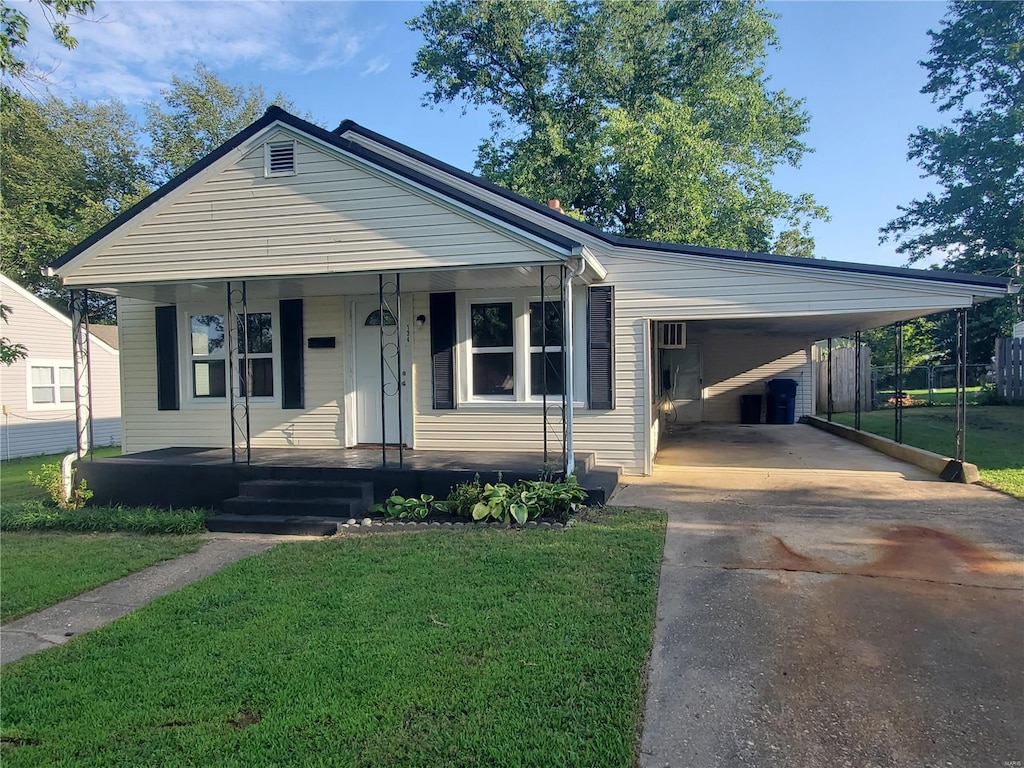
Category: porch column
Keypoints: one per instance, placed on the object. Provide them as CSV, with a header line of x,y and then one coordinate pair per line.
x,y
898,395
961,385
829,403
857,382
390,292
237,337
83,371
567,378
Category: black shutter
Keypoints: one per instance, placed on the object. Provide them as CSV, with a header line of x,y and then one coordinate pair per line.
x,y
167,358
292,377
442,349
600,350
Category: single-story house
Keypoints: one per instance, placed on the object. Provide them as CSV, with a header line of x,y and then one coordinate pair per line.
x,y
382,297
38,391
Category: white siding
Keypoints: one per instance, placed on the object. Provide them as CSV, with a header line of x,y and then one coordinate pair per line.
x,y
319,425
29,431
741,364
332,216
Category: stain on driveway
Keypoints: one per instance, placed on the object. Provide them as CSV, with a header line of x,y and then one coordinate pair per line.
x,y
831,607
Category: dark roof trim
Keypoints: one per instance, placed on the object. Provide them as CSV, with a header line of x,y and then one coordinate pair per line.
x,y
276,114
676,248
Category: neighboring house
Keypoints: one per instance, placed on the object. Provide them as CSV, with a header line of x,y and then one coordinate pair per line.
x,y
38,392
315,225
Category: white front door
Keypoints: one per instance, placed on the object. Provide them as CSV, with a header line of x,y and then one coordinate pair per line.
x,y
369,393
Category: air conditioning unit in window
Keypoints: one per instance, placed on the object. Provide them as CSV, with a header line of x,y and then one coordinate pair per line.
x,y
671,335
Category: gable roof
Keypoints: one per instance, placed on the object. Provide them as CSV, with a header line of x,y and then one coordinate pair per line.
x,y
350,126
274,115
107,339
551,235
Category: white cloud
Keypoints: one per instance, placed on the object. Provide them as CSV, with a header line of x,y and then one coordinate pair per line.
x,y
375,66
129,50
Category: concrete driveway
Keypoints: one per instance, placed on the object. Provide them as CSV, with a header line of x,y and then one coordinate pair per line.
x,y
824,605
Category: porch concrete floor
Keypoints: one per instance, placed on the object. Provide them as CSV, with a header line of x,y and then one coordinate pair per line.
x,y
821,604
361,458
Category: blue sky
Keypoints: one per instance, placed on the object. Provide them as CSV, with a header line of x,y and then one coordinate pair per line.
x,y
854,63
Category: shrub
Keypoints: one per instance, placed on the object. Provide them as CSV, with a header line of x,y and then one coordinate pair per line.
x,y
37,516
464,496
50,478
527,500
400,508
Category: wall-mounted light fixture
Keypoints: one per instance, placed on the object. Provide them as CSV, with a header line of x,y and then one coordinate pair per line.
x,y
421,320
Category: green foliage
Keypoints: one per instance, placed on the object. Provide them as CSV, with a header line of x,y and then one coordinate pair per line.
x,y
495,648
526,500
68,169
976,219
920,345
87,560
50,479
400,508
198,115
9,351
37,516
14,29
650,119
464,496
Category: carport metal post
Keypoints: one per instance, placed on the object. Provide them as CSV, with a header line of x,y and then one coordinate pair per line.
x,y
961,385
829,405
856,382
898,394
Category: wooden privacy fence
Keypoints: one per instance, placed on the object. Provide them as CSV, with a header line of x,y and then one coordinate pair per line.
x,y
1010,369
844,389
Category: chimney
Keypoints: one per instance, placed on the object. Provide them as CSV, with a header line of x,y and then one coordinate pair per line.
x,y
556,205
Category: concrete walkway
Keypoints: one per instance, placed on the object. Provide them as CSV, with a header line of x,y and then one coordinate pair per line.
x,y
59,623
823,605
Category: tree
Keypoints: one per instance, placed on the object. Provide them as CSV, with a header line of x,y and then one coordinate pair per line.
x,y
14,28
651,119
68,169
197,116
9,351
975,219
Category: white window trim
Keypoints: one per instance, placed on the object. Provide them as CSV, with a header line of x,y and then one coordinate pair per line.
x,y
56,365
520,300
267,173
185,356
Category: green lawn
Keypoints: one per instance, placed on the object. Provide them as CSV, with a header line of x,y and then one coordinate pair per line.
x,y
39,569
14,482
995,437
944,396
435,648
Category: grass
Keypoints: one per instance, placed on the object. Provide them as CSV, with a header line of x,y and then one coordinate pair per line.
x,y
40,516
440,648
40,569
995,438
14,482
944,396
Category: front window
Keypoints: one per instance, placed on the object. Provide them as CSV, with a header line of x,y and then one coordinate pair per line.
x,y
209,355
492,348
52,384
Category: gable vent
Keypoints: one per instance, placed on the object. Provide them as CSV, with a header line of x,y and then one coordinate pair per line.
x,y
280,158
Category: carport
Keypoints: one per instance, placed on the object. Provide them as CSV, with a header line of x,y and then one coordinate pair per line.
x,y
821,604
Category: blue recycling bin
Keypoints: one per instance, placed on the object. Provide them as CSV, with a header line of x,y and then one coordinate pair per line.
x,y
781,398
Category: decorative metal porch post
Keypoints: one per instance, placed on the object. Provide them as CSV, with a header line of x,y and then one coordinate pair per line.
x,y
898,371
388,292
857,383
961,386
239,375
568,455
83,372
829,404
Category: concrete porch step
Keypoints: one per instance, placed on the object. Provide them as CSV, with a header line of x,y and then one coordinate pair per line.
x,y
306,489
247,506
289,526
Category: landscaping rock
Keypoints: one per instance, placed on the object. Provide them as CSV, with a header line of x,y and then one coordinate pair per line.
x,y
366,521
350,521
